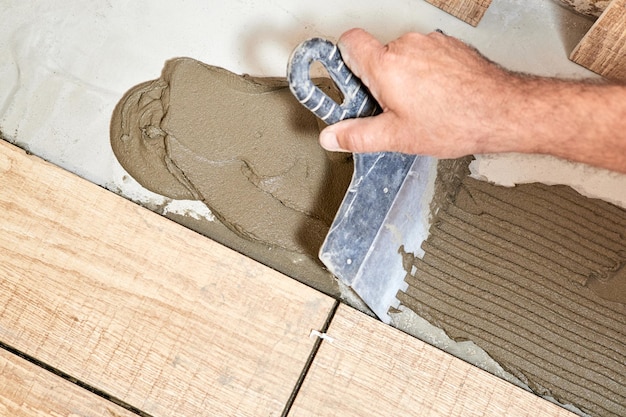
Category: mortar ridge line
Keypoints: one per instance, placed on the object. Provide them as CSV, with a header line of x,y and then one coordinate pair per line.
x,y
536,258
538,230
536,320
309,362
585,262
590,216
518,269
488,279
521,322
67,377
480,340
550,224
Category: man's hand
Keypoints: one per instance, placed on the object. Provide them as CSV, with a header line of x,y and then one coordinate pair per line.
x,y
441,97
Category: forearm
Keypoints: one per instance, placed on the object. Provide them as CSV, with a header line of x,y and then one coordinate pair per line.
x,y
579,121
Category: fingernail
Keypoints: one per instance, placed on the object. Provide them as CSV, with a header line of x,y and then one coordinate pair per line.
x,y
328,140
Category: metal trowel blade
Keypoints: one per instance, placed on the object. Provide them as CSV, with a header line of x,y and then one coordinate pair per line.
x,y
386,207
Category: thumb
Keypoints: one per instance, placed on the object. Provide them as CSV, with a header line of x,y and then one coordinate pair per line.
x,y
367,134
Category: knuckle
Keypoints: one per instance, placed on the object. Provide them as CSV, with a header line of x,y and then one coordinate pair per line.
x,y
356,140
352,142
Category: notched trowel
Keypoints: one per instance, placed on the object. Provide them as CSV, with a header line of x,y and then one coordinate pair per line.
x,y
387,204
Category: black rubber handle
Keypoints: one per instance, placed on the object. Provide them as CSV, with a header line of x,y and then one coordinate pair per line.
x,y
357,102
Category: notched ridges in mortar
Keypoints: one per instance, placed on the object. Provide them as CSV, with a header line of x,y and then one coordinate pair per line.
x,y
507,269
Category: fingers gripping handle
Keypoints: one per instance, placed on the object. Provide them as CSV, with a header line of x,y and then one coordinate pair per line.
x,y
357,102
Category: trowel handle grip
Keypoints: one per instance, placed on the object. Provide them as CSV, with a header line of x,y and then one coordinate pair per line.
x,y
357,102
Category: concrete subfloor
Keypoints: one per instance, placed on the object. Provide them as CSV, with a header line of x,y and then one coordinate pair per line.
x,y
63,69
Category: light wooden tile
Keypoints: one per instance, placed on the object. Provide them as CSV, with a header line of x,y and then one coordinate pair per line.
x,y
140,307
470,11
27,390
603,48
370,369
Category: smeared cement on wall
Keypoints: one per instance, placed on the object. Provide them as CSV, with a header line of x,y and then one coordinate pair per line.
x,y
244,147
